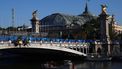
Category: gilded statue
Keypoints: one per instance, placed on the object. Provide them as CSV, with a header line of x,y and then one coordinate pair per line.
x,y
104,9
34,14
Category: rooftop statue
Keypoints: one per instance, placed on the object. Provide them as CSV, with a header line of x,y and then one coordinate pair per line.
x,y
104,9
34,14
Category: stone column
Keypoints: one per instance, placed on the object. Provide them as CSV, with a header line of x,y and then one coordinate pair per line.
x,y
104,30
35,22
35,25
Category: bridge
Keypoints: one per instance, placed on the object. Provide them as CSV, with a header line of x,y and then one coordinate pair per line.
x,y
47,49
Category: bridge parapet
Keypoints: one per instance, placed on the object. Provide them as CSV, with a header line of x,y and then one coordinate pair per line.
x,y
77,48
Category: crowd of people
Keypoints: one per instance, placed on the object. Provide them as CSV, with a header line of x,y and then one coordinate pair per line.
x,y
25,42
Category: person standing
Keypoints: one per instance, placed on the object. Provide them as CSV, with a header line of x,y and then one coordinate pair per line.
x,y
9,43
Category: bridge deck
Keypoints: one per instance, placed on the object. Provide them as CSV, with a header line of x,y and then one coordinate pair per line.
x,y
52,46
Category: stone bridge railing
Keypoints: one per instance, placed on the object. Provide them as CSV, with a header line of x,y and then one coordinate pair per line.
x,y
78,46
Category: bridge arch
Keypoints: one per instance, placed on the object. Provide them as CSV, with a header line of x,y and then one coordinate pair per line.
x,y
47,52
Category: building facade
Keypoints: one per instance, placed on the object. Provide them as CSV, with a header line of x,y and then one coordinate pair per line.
x,y
83,26
60,25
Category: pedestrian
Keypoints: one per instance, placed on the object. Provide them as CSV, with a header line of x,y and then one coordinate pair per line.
x,y
20,42
9,43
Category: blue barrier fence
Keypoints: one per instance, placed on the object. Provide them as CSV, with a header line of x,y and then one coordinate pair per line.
x,y
6,38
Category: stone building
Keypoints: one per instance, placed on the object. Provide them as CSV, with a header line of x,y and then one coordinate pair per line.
x,y
83,26
65,26
118,28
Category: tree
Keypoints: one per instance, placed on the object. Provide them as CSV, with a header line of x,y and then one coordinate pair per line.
x,y
11,28
2,28
92,29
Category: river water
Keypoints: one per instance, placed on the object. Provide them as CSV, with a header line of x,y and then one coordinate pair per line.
x,y
66,64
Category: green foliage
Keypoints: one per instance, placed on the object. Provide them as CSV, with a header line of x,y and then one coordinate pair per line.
x,y
92,29
11,28
119,36
2,28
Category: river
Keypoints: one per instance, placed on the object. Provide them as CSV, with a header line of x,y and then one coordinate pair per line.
x,y
66,64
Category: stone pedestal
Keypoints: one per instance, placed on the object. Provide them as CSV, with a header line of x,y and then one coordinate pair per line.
x,y
35,25
104,30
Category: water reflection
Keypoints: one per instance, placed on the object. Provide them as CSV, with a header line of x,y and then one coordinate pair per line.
x,y
99,65
66,64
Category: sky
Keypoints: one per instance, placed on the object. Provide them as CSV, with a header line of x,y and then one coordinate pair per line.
x,y
24,9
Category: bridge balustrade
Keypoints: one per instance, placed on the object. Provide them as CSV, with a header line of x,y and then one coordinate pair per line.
x,y
78,46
